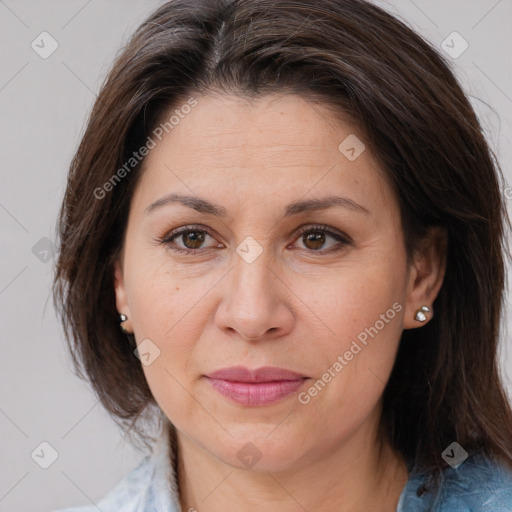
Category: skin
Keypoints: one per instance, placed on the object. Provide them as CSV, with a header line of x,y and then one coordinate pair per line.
x,y
298,306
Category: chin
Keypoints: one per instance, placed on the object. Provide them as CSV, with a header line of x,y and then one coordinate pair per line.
x,y
255,450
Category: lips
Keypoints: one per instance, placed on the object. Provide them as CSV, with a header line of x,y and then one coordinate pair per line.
x,y
261,386
264,374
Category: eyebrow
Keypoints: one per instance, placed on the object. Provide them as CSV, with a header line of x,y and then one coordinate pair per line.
x,y
295,208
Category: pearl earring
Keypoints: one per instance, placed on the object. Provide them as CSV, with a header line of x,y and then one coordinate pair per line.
x,y
420,314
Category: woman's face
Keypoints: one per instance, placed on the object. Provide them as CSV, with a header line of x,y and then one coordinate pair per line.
x,y
293,259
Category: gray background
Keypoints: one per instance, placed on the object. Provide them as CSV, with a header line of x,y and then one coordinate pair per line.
x,y
44,103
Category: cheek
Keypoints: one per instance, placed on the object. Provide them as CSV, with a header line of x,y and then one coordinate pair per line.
x,y
363,308
349,300
346,391
364,332
164,300
168,311
170,308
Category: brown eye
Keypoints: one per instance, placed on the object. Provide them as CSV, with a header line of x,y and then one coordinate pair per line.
x,y
189,240
321,239
314,240
193,239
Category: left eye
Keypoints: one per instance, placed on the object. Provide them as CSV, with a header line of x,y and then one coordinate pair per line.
x,y
314,239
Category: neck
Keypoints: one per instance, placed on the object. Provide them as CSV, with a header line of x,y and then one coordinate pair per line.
x,y
354,477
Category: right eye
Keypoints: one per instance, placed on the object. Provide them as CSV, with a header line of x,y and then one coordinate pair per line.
x,y
188,240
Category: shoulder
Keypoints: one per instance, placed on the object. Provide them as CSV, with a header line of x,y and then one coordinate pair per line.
x,y
478,485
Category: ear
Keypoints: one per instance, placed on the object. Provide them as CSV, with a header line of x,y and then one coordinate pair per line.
x,y
120,291
426,276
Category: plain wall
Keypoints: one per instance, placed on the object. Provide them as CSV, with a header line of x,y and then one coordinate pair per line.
x,y
44,104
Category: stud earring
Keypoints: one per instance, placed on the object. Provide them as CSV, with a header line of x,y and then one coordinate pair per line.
x,y
420,314
123,318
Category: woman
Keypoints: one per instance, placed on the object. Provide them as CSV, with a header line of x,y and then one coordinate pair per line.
x,y
283,236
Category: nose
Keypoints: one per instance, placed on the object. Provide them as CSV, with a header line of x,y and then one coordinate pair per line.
x,y
255,302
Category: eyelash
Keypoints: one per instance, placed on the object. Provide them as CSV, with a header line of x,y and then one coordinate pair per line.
x,y
167,239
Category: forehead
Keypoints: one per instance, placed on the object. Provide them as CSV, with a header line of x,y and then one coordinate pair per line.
x,y
277,147
287,126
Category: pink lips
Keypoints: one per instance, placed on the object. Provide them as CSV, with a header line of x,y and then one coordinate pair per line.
x,y
261,386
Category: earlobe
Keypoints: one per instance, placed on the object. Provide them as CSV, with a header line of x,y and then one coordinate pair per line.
x,y
426,278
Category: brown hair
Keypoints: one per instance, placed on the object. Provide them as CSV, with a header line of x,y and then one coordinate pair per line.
x,y
368,65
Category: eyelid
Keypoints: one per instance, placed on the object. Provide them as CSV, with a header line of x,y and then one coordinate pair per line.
x,y
173,233
326,229
305,228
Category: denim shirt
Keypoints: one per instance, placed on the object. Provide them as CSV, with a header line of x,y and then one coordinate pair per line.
x,y
477,485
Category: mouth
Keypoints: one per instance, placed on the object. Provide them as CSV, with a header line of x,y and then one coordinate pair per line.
x,y
261,386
